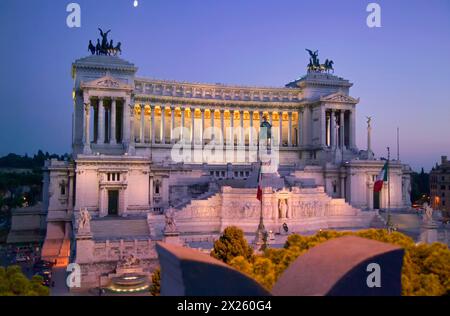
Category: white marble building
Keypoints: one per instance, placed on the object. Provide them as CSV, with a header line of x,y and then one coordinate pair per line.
x,y
125,174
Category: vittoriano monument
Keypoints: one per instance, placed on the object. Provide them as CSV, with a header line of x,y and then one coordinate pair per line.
x,y
314,63
105,48
134,180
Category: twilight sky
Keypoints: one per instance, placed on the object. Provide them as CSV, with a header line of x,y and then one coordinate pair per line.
x,y
400,71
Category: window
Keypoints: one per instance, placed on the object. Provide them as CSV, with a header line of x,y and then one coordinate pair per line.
x,y
113,176
63,189
442,187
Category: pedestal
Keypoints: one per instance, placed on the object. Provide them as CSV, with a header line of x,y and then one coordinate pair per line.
x,y
173,238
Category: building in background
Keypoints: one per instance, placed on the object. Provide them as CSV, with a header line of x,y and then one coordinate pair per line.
x,y
440,185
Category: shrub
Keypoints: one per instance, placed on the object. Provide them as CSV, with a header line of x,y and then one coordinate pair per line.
x,y
155,288
14,283
426,268
231,244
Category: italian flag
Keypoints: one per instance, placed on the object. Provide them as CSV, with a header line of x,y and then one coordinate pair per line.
x,y
382,177
259,193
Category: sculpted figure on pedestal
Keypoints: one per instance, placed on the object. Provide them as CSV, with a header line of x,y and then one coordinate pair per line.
x,y
84,221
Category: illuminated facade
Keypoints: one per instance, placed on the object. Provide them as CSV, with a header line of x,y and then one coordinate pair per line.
x,y
142,148
440,186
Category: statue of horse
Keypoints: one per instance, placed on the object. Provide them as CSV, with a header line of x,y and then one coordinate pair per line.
x,y
329,65
91,48
98,48
118,49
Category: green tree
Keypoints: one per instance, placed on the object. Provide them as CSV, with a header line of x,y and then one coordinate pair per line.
x,y
14,283
155,288
231,244
426,268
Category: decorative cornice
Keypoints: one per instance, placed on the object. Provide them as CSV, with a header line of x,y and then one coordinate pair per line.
x,y
214,102
339,97
106,83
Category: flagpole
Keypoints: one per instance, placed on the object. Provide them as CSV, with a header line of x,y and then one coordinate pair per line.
x,y
389,223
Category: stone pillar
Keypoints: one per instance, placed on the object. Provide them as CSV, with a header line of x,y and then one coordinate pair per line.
x,y
280,123
352,142
222,126
192,125
87,136
152,109
129,125
182,109
163,125
211,114
172,124
142,130
342,128
202,128
332,128
290,129
231,128
241,132
101,122
113,122
323,126
250,133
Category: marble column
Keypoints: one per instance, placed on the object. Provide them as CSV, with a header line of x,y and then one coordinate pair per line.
x,y
101,122
352,142
152,127
342,186
142,130
202,128
250,132
172,124
211,114
290,129
113,122
127,126
231,128
192,125
241,132
163,125
182,124
280,123
87,119
323,126
342,129
332,128
222,126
